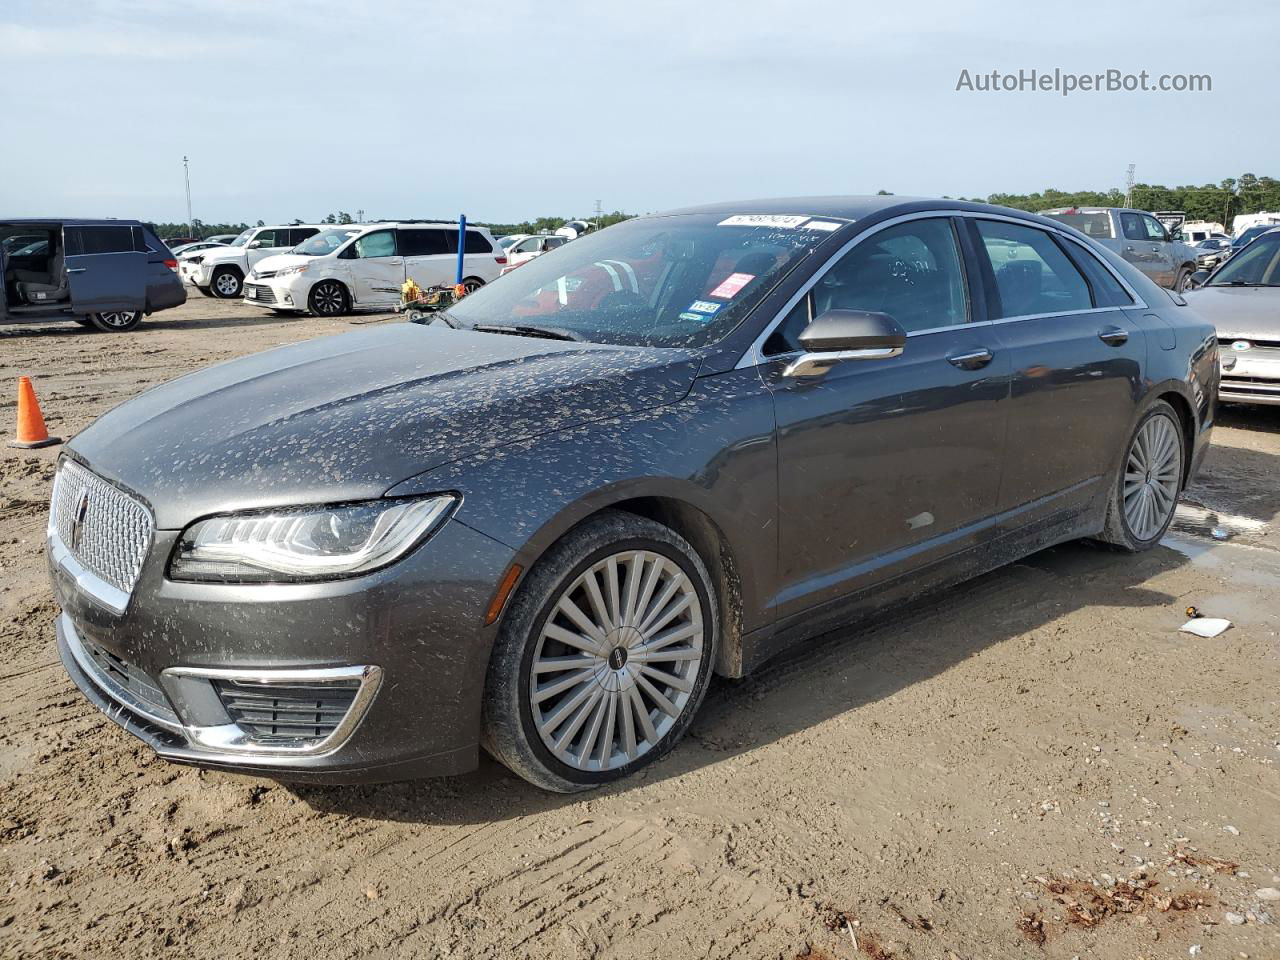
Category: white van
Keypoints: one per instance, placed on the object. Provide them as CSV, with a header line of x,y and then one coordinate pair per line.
x,y
220,272
364,266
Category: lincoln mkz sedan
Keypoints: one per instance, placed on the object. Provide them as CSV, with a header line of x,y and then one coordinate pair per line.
x,y
540,522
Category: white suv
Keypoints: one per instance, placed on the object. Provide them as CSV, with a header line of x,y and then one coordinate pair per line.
x,y
364,266
221,272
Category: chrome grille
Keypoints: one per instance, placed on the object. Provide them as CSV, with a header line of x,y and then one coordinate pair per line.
x,y
259,293
105,529
280,713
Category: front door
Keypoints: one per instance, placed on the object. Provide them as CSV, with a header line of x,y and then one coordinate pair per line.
x,y
1164,263
377,272
887,465
1076,368
106,270
267,243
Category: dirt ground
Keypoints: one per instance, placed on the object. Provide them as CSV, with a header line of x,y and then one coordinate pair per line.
x,y
1036,764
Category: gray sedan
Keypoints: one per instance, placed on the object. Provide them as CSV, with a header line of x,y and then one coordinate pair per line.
x,y
1242,299
542,521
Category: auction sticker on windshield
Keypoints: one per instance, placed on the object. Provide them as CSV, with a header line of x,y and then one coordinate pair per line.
x,y
763,220
731,284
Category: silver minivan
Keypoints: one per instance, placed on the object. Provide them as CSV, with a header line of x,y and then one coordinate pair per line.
x,y
103,274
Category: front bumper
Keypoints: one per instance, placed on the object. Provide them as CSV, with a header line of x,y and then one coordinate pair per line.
x,y
287,294
411,634
1255,376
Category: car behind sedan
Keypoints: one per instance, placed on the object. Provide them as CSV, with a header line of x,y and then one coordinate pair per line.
x,y
1242,300
540,523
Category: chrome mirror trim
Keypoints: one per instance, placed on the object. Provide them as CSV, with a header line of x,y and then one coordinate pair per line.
x,y
816,364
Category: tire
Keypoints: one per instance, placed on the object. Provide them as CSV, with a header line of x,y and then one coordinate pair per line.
x,y
120,321
1180,282
84,322
1128,527
207,291
612,688
471,284
328,298
227,283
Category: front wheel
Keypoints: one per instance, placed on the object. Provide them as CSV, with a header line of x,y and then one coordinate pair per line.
x,y
1145,494
604,656
226,283
328,298
1180,284
117,321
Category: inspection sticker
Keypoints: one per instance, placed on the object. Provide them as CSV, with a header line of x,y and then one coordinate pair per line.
x,y
705,306
695,317
763,220
731,284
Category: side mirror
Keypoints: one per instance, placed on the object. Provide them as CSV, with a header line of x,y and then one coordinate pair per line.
x,y
1197,279
838,335
255,244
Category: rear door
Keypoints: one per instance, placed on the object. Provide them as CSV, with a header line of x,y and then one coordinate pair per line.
x,y
479,258
427,260
105,270
1077,362
377,270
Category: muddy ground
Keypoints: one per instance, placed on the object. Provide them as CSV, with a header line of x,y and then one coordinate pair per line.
x,y
1036,764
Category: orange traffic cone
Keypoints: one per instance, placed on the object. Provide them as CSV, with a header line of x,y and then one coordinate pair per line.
x,y
31,429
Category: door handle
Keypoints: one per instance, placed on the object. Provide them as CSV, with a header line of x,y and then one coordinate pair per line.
x,y
1129,248
76,269
1113,336
1155,247
973,360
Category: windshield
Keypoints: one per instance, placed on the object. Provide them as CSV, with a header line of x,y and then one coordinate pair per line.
x,y
505,242
241,240
1251,233
1090,224
682,281
324,242
1257,265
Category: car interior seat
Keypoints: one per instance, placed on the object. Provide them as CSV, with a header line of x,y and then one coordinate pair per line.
x,y
44,286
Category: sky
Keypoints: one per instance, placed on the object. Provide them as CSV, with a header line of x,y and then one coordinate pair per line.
x,y
292,109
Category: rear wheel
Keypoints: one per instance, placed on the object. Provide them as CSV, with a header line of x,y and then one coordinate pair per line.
x,y
1145,495
328,298
1180,284
472,284
117,321
604,656
226,283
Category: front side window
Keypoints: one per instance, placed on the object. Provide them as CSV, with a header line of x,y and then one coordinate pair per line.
x,y
675,281
912,272
1033,275
1257,265
381,243
1132,226
1155,231
526,246
271,238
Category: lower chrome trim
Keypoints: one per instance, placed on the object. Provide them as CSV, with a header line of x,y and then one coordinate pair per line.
x,y
89,583
229,740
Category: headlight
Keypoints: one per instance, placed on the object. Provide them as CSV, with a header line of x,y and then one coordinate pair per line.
x,y
307,543
293,271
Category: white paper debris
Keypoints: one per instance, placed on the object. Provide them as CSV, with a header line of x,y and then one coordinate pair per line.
x,y
1205,626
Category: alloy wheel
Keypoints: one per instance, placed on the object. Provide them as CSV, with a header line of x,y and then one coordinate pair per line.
x,y
227,284
1151,476
617,659
327,299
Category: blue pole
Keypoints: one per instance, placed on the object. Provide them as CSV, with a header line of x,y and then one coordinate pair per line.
x,y
462,243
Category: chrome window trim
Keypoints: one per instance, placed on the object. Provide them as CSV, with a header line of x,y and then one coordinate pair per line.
x,y
754,355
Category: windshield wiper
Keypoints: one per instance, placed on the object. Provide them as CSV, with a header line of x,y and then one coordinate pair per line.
x,y
528,330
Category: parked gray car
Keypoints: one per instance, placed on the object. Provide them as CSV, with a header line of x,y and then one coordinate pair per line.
x,y
104,274
668,449
1138,237
1242,299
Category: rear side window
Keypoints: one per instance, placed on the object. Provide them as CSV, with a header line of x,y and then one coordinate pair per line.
x,y
1090,224
1033,275
1107,291
476,242
298,234
423,243
100,239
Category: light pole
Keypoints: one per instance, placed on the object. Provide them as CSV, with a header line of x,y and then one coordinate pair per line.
x,y
186,172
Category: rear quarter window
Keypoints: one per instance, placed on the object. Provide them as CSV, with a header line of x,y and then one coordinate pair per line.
x,y
100,239
476,242
1090,224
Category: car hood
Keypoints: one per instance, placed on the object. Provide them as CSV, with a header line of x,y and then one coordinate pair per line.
x,y
1239,312
348,417
279,262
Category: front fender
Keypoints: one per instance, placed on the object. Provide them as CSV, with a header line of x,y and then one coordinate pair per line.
x,y
713,451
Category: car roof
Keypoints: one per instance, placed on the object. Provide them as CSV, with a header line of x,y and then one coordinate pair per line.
x,y
75,221
385,224
855,208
